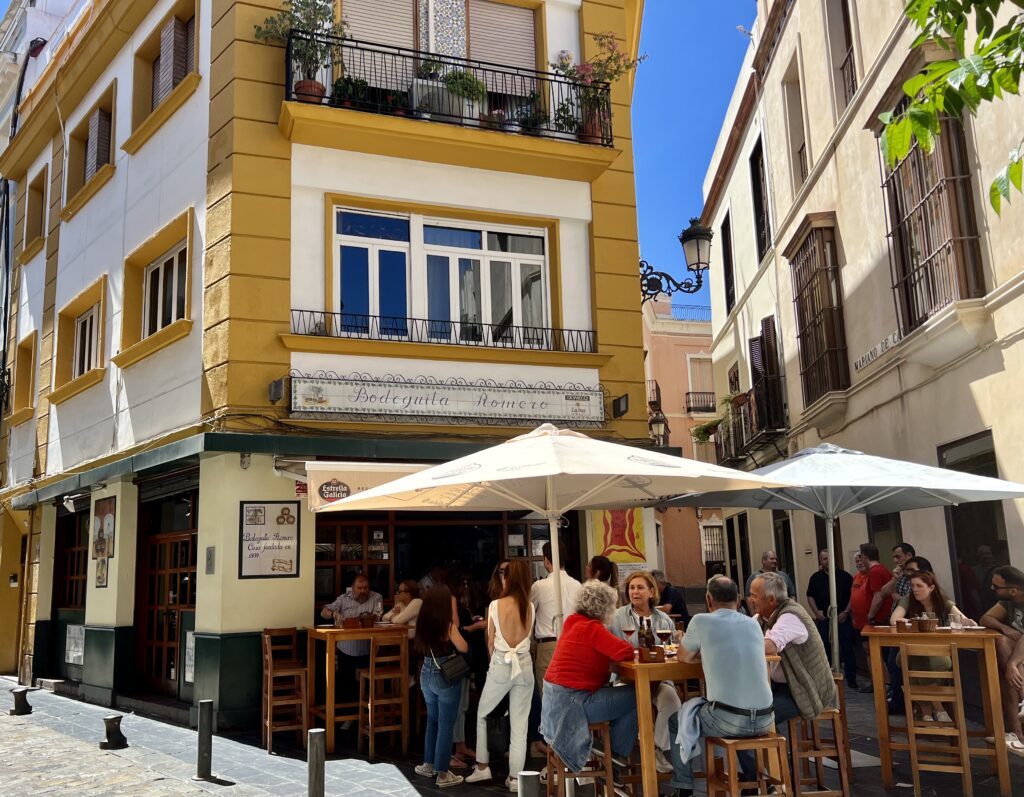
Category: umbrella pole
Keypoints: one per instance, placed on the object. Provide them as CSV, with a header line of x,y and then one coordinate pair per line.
x,y
833,609
556,560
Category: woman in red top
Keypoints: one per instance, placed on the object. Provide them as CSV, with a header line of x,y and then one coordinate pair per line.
x,y
575,686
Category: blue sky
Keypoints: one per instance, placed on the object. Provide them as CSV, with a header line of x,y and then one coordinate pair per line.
x,y
682,92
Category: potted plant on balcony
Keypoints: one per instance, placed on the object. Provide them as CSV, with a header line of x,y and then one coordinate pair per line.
x,y
431,69
349,92
531,115
469,87
312,51
591,79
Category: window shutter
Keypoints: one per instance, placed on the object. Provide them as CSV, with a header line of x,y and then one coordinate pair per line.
x,y
190,45
97,146
171,66
769,346
502,34
756,359
390,22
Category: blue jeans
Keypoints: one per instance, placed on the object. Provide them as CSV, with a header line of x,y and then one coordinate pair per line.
x,y
716,722
616,705
442,701
562,706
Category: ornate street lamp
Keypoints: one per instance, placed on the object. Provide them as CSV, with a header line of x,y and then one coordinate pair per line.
x,y
658,425
696,243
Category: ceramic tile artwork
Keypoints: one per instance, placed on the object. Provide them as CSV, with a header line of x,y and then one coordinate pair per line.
x,y
449,26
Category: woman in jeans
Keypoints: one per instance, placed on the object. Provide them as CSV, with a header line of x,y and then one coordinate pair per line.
x,y
575,686
437,640
509,626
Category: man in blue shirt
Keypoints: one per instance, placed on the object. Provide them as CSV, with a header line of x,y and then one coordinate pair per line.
x,y
730,646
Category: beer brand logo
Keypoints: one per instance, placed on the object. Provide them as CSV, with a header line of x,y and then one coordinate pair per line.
x,y
334,490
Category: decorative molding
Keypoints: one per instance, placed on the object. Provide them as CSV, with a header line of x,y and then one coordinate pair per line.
x,y
811,221
164,111
152,344
33,248
77,385
87,191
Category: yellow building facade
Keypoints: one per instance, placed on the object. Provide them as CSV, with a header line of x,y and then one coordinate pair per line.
x,y
218,279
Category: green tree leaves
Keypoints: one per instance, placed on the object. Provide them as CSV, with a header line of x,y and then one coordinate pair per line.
x,y
951,86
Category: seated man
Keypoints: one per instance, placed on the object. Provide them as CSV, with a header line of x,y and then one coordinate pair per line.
x,y
802,683
358,600
673,599
1007,617
731,648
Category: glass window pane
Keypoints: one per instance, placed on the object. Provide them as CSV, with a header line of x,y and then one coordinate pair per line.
x,y
532,293
470,307
392,289
355,289
452,236
510,242
501,300
153,301
365,225
439,300
167,299
179,309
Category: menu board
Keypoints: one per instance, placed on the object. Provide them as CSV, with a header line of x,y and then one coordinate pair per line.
x,y
268,545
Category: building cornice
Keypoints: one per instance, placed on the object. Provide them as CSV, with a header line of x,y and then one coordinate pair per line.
x,y
732,147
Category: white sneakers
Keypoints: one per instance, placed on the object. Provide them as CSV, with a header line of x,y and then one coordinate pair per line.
x,y
512,784
426,770
661,762
446,779
478,775
1014,745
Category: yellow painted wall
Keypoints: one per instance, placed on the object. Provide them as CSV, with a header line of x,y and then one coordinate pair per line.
x,y
225,603
10,597
114,605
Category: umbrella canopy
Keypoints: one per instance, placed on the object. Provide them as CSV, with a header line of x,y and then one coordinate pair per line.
x,y
551,471
837,481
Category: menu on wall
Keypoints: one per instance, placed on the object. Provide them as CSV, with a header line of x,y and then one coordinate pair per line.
x,y
268,539
74,645
190,657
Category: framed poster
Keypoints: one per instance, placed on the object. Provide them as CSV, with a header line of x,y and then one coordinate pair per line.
x,y
103,516
268,539
74,645
101,573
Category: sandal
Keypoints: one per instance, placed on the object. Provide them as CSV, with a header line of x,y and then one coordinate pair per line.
x,y
457,763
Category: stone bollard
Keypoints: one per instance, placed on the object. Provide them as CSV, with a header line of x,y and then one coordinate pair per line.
x,y
204,758
316,747
115,739
21,705
529,784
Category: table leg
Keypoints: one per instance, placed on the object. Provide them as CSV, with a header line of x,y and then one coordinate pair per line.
x,y
404,647
645,720
332,650
881,711
310,676
991,679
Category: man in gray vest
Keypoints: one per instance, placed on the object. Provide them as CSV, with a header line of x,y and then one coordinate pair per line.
x,y
802,683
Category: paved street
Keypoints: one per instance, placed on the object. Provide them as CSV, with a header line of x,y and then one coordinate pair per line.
x,y
54,751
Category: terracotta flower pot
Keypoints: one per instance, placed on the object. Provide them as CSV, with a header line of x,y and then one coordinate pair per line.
x,y
309,91
592,129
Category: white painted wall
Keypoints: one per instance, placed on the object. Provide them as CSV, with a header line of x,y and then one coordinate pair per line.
x,y
316,171
147,191
562,19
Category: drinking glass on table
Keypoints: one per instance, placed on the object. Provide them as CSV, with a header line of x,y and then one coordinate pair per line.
x,y
629,628
664,634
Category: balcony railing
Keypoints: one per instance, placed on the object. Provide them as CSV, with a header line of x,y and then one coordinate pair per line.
x,y
700,401
801,162
691,312
653,394
460,333
379,78
755,419
848,72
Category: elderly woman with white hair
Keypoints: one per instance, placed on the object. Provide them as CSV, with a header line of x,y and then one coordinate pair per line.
x,y
575,686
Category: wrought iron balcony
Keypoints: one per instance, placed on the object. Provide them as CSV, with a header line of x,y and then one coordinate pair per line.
x,y
691,312
700,401
848,73
754,422
653,395
460,333
379,78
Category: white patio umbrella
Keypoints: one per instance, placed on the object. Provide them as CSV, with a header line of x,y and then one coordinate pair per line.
x,y
551,471
837,481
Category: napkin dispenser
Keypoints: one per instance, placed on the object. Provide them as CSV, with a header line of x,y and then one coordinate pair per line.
x,y
651,655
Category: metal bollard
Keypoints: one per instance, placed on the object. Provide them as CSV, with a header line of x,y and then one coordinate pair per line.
x,y
115,740
529,784
316,746
21,705
204,759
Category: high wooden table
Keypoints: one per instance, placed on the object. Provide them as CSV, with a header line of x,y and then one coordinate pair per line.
x,y
982,640
330,635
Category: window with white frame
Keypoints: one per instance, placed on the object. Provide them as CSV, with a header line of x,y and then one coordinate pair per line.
x,y
165,280
441,280
86,342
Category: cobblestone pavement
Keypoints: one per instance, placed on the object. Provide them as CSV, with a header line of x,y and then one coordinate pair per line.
x,y
54,751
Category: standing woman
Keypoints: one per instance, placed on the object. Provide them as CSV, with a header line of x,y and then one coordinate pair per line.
x,y
496,586
509,626
642,609
438,639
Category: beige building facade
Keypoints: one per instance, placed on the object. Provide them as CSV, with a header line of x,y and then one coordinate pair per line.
x,y
878,309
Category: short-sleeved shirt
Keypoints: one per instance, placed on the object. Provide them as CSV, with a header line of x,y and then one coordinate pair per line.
x,y
817,588
1014,615
878,577
731,648
348,607
790,589
860,601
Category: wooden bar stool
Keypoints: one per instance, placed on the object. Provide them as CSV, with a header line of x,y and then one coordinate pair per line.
x,y
599,766
723,777
383,697
840,680
952,753
807,743
283,698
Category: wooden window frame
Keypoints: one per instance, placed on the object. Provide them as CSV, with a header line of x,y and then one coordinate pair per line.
x,y
136,346
78,189
71,562
35,216
170,259
65,383
23,396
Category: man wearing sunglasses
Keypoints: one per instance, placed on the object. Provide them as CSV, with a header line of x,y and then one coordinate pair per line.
x,y
1007,617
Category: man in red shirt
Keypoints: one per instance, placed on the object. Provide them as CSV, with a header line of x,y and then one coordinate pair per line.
x,y
878,576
